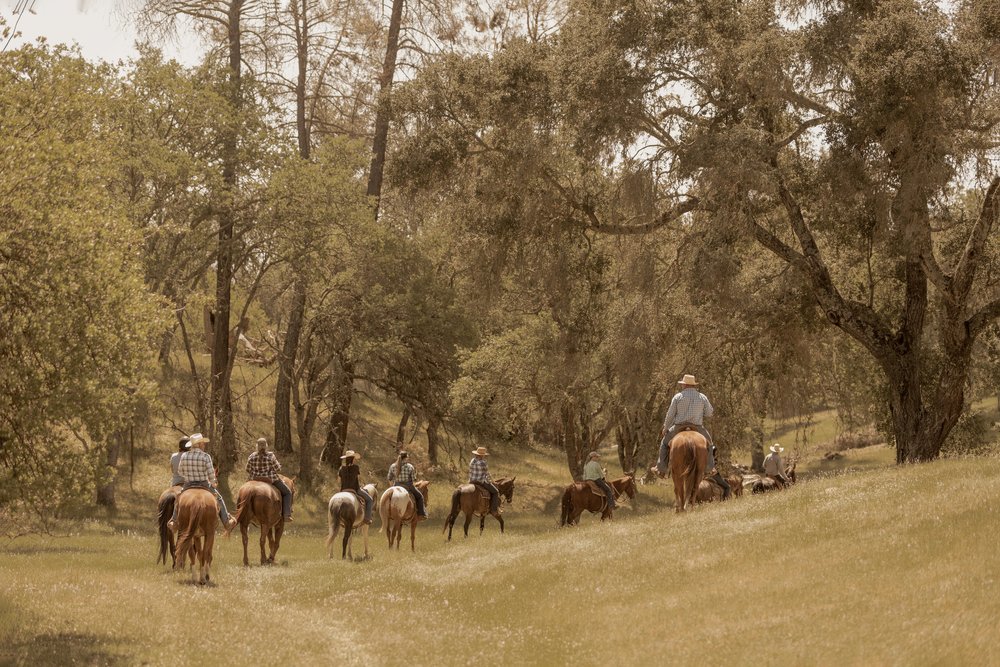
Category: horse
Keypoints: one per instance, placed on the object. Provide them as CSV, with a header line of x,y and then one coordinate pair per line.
x,y
709,491
344,509
472,500
765,484
396,508
164,512
579,496
197,517
688,458
259,502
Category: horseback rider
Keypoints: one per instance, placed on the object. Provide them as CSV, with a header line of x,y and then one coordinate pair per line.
x,y
592,471
773,466
175,461
688,407
195,467
263,466
480,476
350,480
402,473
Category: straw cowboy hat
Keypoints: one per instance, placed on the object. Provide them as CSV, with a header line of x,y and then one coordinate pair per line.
x,y
481,451
688,380
197,439
351,454
594,455
776,448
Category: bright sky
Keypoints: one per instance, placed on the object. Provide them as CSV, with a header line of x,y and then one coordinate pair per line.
x,y
102,28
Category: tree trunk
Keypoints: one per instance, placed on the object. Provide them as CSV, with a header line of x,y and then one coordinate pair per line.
x,y
757,450
384,110
286,367
336,434
106,484
433,421
401,429
570,441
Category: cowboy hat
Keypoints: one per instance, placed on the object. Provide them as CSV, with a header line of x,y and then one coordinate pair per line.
x,y
688,380
197,439
776,448
481,451
351,454
594,455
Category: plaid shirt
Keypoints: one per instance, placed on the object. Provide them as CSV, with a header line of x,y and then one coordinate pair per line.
x,y
688,407
478,471
196,466
263,467
404,476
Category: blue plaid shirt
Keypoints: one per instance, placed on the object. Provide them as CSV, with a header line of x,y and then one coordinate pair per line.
x,y
196,466
404,476
688,407
478,471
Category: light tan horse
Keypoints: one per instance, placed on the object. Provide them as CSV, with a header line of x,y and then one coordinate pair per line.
x,y
259,502
709,491
197,517
396,508
688,458
345,510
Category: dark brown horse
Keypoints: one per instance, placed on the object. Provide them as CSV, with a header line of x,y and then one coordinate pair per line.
x,y
688,458
472,500
164,511
197,517
765,483
579,496
259,502
396,508
709,491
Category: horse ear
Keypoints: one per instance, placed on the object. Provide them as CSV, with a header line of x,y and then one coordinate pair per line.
x,y
513,478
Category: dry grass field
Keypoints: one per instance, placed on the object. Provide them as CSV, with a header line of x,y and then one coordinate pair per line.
x,y
876,566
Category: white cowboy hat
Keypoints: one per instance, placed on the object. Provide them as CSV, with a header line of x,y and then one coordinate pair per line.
x,y
688,380
350,453
594,455
776,448
481,451
197,439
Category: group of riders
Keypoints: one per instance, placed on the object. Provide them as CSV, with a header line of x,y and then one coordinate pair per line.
x,y
192,465
192,468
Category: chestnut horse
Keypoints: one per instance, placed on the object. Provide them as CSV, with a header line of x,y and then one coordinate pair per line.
x,y
688,458
197,517
765,483
164,511
709,491
259,502
472,500
579,496
396,508
344,509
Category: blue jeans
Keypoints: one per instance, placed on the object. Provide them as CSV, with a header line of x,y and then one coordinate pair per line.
x,y
418,497
223,513
369,504
663,461
286,497
607,491
494,494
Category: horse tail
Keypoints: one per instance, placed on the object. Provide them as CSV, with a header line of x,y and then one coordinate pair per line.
x,y
346,516
165,511
241,505
456,503
693,476
567,505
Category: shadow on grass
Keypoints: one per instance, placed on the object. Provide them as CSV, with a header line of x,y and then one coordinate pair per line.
x,y
61,648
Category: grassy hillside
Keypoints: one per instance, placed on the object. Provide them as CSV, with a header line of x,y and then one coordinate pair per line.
x,y
894,565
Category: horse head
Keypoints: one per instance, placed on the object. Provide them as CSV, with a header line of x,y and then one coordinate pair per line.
x,y
506,489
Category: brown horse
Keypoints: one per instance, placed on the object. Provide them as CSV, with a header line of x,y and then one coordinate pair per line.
x,y
259,502
688,458
197,517
709,491
396,508
164,511
765,483
474,501
579,496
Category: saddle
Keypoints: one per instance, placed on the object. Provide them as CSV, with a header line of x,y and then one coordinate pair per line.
x,y
361,498
596,490
484,496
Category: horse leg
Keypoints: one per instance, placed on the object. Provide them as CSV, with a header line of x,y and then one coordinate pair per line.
x,y
482,524
279,529
245,534
206,556
499,518
263,539
468,520
413,535
364,535
345,549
